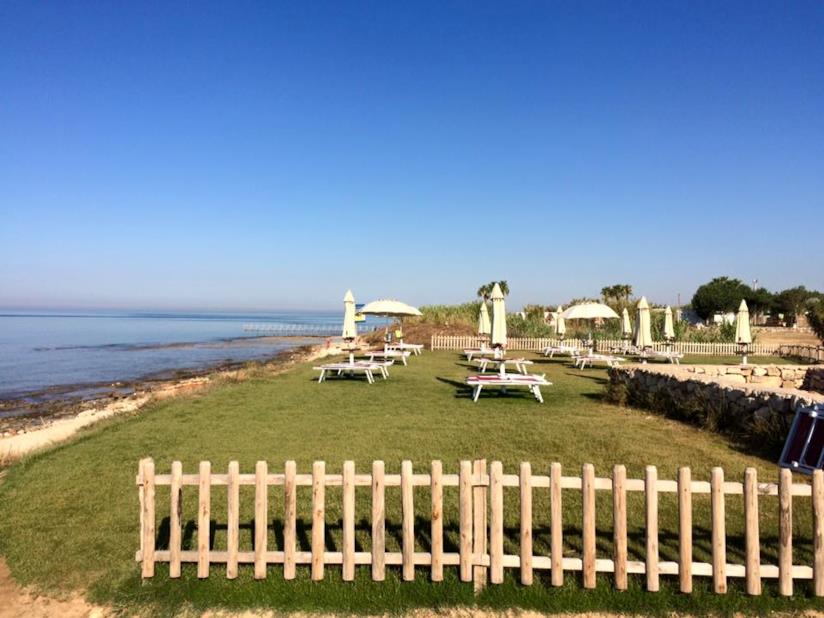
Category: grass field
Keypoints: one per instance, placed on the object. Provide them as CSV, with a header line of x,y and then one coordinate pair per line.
x,y
69,517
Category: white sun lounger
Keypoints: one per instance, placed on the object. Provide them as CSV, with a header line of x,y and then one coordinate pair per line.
x,y
478,352
508,380
552,350
365,367
610,361
388,355
520,363
415,348
672,357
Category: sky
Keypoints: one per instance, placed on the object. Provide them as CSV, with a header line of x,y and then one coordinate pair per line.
x,y
263,155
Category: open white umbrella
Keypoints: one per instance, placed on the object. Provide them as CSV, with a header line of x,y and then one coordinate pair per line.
x,y
626,325
743,337
484,326
669,329
643,329
390,309
589,311
350,329
498,317
560,324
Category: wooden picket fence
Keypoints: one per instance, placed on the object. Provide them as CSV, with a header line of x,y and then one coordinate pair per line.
x,y
481,556
809,353
535,344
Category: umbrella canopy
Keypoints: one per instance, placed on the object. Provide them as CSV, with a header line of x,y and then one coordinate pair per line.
x,y
560,324
643,330
389,308
669,329
350,329
589,311
626,325
498,317
484,326
742,324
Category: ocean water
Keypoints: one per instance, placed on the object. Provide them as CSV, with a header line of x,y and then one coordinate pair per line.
x,y
65,353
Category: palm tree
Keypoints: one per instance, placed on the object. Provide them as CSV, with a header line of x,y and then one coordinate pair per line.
x,y
485,291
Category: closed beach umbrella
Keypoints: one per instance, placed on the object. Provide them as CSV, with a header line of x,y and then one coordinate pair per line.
x,y
643,330
669,329
742,329
350,329
484,326
742,324
626,325
560,324
498,317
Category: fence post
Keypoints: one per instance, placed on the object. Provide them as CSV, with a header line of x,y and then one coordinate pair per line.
x,y
175,514
556,526
785,532
203,519
232,519
651,493
378,522
289,520
408,524
619,525
348,482
436,532
588,524
719,534
148,521
496,526
479,524
526,523
465,515
685,529
318,519
752,539
261,518
818,531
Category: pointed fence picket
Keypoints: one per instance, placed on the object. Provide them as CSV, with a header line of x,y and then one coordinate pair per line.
x,y
481,552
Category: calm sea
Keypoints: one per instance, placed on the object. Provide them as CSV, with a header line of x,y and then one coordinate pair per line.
x,y
65,352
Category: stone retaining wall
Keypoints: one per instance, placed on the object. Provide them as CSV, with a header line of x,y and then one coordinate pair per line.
x,y
754,403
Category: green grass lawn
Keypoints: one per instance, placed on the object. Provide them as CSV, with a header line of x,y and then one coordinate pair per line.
x,y
69,517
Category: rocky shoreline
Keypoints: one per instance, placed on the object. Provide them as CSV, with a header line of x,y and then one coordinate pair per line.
x,y
41,411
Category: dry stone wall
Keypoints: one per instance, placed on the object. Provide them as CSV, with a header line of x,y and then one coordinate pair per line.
x,y
753,403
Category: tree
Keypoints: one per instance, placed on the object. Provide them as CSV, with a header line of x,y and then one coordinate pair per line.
x,y
485,291
791,302
617,296
720,294
816,319
759,301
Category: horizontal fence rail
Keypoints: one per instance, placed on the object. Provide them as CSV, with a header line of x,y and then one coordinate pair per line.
x,y
535,344
809,353
480,554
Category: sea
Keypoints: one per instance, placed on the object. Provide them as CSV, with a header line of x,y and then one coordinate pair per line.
x,y
78,354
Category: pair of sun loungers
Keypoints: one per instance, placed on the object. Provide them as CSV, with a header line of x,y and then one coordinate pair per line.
x,y
376,362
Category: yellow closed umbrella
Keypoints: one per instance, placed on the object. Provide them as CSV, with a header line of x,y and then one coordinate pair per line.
x,y
743,337
498,317
484,327
669,329
643,329
560,323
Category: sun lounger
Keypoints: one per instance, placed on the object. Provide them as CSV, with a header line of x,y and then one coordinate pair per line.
x,y
508,380
520,363
552,350
672,357
478,352
584,359
365,367
388,355
415,348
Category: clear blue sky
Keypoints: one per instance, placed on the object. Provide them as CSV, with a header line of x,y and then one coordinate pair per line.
x,y
271,155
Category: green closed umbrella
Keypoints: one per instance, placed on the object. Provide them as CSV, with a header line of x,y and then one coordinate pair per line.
x,y
643,328
743,337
